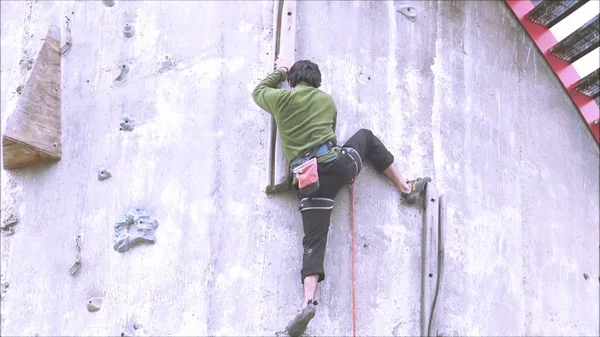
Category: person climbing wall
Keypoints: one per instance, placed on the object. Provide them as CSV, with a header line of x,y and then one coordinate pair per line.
x,y
306,119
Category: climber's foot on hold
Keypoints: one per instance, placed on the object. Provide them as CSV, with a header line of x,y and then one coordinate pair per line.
x,y
299,323
416,187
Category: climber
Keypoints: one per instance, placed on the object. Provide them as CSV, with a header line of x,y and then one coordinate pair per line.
x,y
306,120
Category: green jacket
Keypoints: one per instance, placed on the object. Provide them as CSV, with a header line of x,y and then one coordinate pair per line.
x,y
305,116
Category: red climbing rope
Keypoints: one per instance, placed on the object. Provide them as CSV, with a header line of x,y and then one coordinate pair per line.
x,y
352,227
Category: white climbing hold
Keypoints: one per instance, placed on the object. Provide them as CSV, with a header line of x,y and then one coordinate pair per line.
x,y
103,174
108,3
94,304
124,70
128,30
408,11
127,123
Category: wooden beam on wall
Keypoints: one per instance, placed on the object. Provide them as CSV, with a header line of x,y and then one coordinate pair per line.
x,y
33,131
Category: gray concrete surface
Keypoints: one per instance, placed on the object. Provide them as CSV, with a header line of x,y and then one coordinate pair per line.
x,y
460,95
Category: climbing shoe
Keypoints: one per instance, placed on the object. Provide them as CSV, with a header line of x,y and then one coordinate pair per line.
x,y
416,186
299,323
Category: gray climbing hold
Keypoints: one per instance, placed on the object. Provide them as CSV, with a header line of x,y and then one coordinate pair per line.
x,y
75,268
134,228
407,10
128,30
94,304
127,123
124,70
9,222
103,174
108,3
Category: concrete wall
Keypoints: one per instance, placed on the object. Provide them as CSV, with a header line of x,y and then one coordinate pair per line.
x,y
460,95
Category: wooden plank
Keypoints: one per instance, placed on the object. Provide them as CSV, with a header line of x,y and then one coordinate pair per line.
x,y
16,155
33,130
437,316
429,249
285,48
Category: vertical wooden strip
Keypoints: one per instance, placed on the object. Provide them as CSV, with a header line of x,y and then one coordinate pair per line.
x,y
429,256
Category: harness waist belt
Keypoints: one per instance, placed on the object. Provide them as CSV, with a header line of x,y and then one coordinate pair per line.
x,y
317,152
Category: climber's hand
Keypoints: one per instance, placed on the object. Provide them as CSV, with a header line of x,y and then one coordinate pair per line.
x,y
281,63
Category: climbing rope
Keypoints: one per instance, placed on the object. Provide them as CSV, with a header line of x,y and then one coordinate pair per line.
x,y
353,230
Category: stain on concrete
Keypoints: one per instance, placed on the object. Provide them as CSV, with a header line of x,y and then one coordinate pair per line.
x,y
166,65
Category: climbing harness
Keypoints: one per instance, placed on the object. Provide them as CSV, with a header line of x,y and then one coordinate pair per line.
x,y
77,264
67,46
353,258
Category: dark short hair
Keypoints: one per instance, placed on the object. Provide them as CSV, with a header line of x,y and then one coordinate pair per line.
x,y
304,71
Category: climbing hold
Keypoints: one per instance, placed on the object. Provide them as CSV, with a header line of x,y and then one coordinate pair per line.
x,y
128,30
586,276
407,10
67,46
76,266
9,222
103,174
94,304
126,123
124,70
108,3
134,228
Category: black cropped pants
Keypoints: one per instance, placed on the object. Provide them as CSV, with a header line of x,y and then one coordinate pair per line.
x,y
316,208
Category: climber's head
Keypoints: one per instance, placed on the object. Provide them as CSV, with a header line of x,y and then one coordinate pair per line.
x,y
304,71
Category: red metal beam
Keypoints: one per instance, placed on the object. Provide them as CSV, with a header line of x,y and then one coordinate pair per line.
x,y
566,73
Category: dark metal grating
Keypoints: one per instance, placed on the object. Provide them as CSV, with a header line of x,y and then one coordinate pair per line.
x,y
549,12
536,2
579,43
589,85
